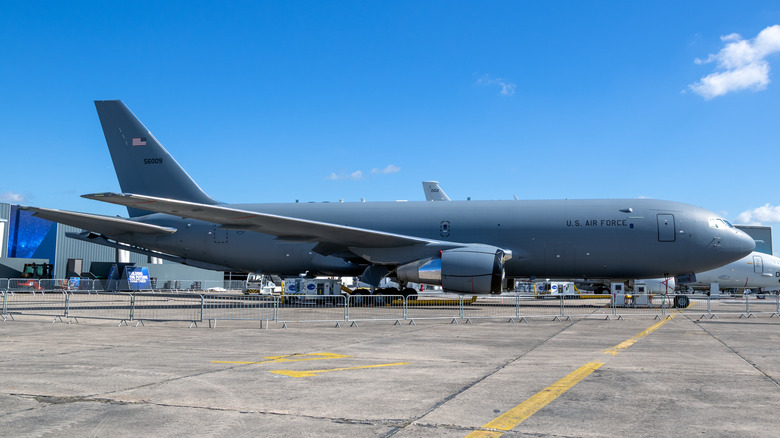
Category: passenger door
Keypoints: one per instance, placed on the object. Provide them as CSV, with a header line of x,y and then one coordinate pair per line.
x,y
666,231
758,265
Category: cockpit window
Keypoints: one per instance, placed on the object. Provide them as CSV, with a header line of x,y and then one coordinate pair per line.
x,y
716,222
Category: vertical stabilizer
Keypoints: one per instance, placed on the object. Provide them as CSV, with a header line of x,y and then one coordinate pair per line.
x,y
142,165
433,192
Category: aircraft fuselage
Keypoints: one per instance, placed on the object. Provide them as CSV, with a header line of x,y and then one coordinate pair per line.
x,y
622,238
754,271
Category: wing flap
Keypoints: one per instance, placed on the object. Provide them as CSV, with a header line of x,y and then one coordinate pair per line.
x,y
111,226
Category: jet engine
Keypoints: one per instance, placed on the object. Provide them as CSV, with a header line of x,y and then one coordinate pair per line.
x,y
470,269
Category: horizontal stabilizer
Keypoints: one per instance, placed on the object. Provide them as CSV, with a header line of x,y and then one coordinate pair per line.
x,y
110,226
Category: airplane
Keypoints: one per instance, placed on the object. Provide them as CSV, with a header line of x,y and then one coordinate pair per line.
x,y
754,271
463,246
433,192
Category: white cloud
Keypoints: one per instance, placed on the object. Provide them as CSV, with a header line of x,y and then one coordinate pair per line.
x,y
11,197
391,168
358,174
741,64
507,88
764,214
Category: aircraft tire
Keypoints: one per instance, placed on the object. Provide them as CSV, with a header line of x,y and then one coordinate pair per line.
x,y
391,292
681,301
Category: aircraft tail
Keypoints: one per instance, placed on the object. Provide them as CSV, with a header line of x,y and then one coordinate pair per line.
x,y
433,192
142,165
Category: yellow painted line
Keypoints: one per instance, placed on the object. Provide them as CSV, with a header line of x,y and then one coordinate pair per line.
x,y
513,417
311,373
288,358
631,341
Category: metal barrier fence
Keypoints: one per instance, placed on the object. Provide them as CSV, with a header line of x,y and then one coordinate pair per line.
x,y
746,306
168,307
194,308
23,284
312,308
419,307
84,305
246,308
594,307
32,284
53,304
501,307
375,308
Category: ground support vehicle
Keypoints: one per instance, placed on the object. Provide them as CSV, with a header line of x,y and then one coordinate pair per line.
x,y
311,290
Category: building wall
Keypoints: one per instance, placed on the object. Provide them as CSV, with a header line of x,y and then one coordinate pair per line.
x,y
176,271
68,248
5,214
761,234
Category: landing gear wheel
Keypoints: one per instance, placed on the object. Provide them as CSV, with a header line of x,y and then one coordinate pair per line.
x,y
409,293
391,293
681,301
357,299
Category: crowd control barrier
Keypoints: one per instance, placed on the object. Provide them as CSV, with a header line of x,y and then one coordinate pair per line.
x,y
124,307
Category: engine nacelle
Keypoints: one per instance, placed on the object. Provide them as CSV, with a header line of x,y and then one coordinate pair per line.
x,y
475,269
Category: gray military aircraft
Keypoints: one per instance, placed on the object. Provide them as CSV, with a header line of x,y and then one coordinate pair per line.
x,y
463,246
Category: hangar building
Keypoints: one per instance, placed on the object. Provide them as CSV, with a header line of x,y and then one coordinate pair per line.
x,y
28,239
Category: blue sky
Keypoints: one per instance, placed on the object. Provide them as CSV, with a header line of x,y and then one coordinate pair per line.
x,y
321,101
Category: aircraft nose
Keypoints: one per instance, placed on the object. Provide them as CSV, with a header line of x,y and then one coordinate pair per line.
x,y
739,244
749,245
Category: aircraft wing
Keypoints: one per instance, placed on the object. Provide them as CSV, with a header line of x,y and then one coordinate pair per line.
x,y
99,224
286,228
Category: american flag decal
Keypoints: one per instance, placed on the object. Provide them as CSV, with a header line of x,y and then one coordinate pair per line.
x,y
139,141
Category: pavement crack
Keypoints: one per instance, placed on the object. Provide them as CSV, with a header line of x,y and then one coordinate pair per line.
x,y
746,360
56,400
172,379
52,400
468,386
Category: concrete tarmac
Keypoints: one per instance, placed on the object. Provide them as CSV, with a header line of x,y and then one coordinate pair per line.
x,y
681,377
